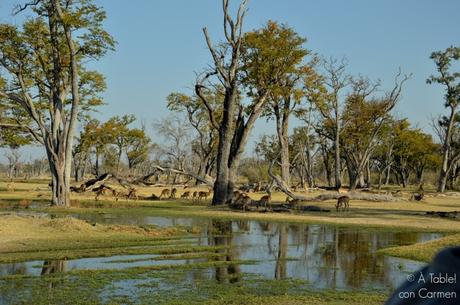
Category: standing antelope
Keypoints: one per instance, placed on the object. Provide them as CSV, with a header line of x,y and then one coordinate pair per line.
x,y
195,195
265,200
185,195
203,195
343,200
173,193
164,193
132,194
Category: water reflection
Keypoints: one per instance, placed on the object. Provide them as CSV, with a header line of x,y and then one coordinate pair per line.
x,y
54,266
220,234
325,256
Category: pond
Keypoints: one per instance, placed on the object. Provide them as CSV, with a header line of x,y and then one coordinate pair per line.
x,y
341,258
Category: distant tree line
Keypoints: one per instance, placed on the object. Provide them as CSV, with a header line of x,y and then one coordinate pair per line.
x,y
345,131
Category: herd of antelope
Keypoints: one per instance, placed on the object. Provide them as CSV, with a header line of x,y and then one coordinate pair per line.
x,y
195,196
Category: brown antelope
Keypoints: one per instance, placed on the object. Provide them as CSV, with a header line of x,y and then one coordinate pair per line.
x,y
132,194
185,195
195,195
99,193
164,193
243,201
265,200
173,193
343,201
115,194
342,190
203,195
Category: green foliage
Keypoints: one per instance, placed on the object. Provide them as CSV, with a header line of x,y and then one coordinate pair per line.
x,y
35,60
112,139
269,55
451,80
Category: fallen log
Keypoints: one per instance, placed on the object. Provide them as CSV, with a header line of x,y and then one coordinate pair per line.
x,y
452,214
354,195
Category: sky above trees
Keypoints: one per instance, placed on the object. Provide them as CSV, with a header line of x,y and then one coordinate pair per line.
x,y
161,46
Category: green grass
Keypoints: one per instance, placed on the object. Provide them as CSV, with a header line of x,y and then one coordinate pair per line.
x,y
172,286
424,251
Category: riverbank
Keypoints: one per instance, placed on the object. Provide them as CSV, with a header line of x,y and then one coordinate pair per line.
x,y
29,237
423,251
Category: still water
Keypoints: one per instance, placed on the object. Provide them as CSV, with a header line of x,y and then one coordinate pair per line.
x,y
325,256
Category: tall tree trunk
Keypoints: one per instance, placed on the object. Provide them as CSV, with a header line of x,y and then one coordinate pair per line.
x,y
282,129
387,176
223,153
337,169
443,173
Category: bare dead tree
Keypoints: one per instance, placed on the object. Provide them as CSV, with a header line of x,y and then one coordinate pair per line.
x,y
226,60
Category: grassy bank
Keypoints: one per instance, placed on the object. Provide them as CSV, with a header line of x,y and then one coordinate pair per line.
x,y
401,214
27,237
423,251
363,217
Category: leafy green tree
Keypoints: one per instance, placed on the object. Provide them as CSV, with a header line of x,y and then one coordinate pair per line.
x,y
287,97
451,82
365,115
251,65
137,148
44,79
413,151
121,135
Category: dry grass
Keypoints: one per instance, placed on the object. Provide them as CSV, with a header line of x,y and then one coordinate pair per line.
x,y
401,213
29,232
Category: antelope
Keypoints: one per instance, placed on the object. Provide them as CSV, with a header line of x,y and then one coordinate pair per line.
x,y
204,195
195,195
265,200
343,200
115,194
245,201
185,195
173,193
99,192
164,193
132,194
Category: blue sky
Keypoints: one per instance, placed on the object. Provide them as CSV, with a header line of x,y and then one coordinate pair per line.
x,y
161,46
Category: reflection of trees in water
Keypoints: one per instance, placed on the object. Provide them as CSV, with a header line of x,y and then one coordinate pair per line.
x,y
280,266
55,266
220,234
265,226
13,269
352,254
243,225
